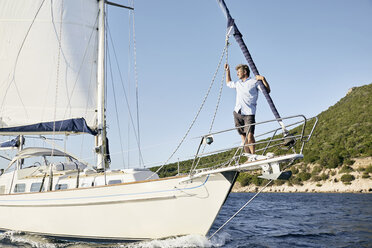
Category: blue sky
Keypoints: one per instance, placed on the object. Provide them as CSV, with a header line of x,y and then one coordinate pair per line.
x,y
311,53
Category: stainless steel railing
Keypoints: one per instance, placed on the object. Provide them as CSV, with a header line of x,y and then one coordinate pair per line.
x,y
296,133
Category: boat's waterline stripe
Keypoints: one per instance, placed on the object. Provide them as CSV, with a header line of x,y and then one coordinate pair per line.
x,y
94,203
100,196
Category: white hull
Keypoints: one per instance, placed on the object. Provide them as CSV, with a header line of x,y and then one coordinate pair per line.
x,y
133,211
81,201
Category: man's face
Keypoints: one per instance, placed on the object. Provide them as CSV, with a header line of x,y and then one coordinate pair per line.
x,y
241,73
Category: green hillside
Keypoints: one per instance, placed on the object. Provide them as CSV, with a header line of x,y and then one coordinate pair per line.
x,y
344,132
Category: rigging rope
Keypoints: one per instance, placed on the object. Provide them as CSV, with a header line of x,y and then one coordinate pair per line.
x,y
125,92
198,112
129,78
246,204
52,143
221,87
218,102
136,80
193,167
58,64
116,107
90,85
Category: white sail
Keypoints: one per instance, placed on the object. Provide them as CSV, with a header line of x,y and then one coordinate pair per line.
x,y
48,61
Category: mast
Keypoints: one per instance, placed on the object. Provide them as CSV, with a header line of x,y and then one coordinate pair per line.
x,y
101,122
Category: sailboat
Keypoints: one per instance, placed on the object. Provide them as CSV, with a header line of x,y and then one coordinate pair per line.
x,y
52,83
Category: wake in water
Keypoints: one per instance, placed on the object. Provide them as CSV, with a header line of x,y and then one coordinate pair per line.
x,y
18,239
188,241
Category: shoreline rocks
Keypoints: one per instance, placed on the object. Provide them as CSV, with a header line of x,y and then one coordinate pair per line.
x,y
332,185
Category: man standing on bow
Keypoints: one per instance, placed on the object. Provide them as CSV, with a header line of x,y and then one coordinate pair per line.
x,y
246,101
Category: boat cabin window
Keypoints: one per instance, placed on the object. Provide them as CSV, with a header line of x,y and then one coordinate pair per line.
x,y
86,184
19,188
2,189
35,187
114,181
61,186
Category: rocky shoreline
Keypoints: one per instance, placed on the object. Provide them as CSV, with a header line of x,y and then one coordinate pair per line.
x,y
332,185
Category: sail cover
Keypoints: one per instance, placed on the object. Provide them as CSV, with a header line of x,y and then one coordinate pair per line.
x,y
48,61
10,143
77,125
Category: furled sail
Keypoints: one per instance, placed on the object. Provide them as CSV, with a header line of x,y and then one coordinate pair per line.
x,y
48,61
231,26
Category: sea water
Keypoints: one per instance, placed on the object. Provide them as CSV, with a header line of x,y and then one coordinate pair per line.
x,y
270,220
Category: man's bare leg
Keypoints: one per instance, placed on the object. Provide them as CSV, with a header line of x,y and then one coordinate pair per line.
x,y
251,140
245,142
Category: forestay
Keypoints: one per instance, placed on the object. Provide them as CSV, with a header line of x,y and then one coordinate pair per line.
x,y
48,54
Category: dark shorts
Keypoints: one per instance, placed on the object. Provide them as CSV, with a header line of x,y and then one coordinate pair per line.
x,y
242,120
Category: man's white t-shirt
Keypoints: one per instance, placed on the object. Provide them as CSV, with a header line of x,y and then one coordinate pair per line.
x,y
246,95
